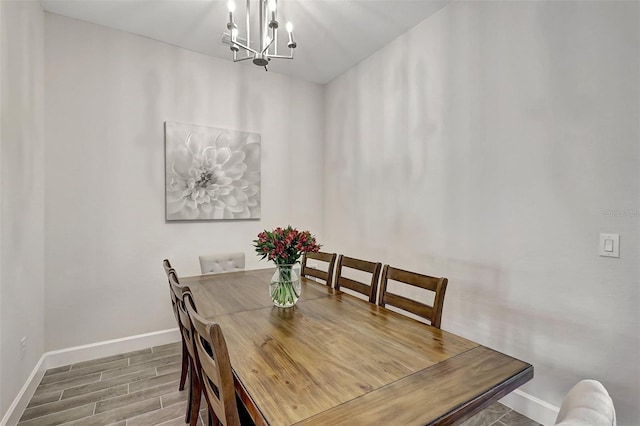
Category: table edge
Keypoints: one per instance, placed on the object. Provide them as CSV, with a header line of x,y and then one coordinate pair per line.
x,y
514,382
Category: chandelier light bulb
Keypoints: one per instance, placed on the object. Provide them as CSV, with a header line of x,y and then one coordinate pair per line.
x,y
232,6
234,33
272,5
289,27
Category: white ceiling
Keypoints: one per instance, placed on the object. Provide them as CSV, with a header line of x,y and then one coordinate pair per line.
x,y
332,35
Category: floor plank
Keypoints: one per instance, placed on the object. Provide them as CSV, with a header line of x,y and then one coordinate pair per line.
x,y
130,398
172,412
110,358
142,366
65,404
121,413
61,416
103,384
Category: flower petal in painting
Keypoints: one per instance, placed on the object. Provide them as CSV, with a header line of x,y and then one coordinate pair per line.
x,y
252,190
206,207
231,141
252,157
175,206
223,155
255,211
252,177
189,213
244,214
236,171
236,158
241,183
194,144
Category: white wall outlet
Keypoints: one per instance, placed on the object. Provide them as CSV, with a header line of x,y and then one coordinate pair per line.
x,y
23,347
609,245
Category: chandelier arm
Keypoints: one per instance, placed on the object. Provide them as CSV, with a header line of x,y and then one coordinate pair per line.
x,y
247,48
243,59
267,48
281,56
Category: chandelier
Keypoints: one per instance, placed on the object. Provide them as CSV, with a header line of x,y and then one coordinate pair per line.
x,y
267,47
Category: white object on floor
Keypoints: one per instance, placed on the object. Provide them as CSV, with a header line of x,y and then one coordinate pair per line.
x,y
587,404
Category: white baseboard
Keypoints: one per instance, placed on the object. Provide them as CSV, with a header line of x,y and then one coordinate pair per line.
x,y
18,405
532,407
82,353
110,347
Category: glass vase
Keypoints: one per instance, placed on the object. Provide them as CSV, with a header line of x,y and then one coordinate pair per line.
x,y
284,288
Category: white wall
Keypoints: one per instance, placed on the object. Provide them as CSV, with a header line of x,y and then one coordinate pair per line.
x,y
108,95
21,194
486,145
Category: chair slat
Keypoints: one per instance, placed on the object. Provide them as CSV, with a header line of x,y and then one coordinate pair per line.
x,y
362,265
316,273
325,257
437,285
370,290
326,276
408,305
414,279
353,285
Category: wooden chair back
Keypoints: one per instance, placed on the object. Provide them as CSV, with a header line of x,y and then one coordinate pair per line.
x,y
436,285
368,289
215,368
167,266
326,276
173,277
178,293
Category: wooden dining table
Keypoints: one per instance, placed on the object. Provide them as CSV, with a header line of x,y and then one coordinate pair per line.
x,y
336,359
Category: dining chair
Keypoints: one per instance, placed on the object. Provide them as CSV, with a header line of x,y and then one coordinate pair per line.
x,y
309,271
371,289
587,404
173,276
178,293
221,262
215,369
167,266
436,285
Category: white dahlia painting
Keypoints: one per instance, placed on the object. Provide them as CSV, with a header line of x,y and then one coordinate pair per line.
x,y
211,173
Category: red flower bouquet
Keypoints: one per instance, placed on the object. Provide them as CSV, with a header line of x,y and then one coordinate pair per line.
x,y
285,246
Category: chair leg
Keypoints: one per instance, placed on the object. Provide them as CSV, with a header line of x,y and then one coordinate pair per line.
x,y
185,365
187,417
196,397
212,418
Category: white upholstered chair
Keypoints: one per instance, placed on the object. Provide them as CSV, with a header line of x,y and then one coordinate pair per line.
x,y
587,404
221,262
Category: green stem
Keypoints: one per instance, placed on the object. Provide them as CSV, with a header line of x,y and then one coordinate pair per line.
x,y
284,292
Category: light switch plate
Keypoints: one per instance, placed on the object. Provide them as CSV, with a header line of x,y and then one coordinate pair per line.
x,y
609,245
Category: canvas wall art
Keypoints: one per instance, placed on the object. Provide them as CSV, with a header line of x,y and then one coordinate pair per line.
x,y
211,173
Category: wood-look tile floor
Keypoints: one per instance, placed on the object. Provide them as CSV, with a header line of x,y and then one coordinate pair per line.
x,y
136,388
141,389
499,415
